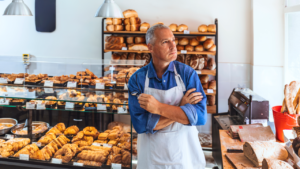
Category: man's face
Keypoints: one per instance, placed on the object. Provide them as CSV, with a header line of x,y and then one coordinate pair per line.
x,y
163,47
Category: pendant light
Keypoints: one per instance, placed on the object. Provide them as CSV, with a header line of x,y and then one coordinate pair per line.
x,y
17,7
109,9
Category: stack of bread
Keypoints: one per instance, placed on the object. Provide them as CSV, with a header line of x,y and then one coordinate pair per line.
x,y
8,148
181,28
198,44
124,75
207,28
197,62
291,101
33,151
85,137
206,84
12,77
32,78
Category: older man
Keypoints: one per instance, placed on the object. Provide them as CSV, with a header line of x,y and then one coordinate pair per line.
x,y
163,112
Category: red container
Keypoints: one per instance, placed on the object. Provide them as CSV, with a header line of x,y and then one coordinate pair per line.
x,y
283,121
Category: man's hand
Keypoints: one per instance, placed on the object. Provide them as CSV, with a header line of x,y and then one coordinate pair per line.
x,y
193,98
149,103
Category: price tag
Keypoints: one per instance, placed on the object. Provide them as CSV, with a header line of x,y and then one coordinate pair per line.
x,y
19,81
121,110
77,164
24,157
48,83
37,143
288,144
69,105
72,84
198,72
125,87
100,86
56,161
183,51
96,144
9,136
101,107
48,90
124,48
3,80
116,166
4,101
210,91
30,105
107,145
112,68
126,95
40,106
186,32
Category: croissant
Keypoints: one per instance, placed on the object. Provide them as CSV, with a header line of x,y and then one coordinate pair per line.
x,y
72,130
125,145
116,150
117,159
78,137
54,131
126,157
47,138
61,127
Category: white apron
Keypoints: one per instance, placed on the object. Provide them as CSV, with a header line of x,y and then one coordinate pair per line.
x,y
174,147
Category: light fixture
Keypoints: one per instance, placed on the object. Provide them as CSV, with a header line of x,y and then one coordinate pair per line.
x,y
109,9
17,7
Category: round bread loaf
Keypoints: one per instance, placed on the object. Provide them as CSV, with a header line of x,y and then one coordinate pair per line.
x,y
189,48
110,27
202,28
208,44
182,27
126,21
129,40
211,28
109,21
130,13
117,21
144,27
194,42
119,27
213,48
127,27
199,48
201,38
134,27
158,23
139,40
173,27
135,21
180,47
183,41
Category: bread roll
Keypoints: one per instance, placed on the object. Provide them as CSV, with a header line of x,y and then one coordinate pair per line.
x,y
138,40
144,27
212,85
126,21
130,13
117,21
201,38
257,151
182,27
130,59
179,47
211,64
189,48
129,40
173,27
127,27
204,78
114,39
176,41
161,23
275,164
202,28
110,27
187,59
194,61
139,47
180,58
194,42
119,27
205,86
211,28
199,48
201,63
109,21
213,48
208,44
117,46
135,27
135,21
138,59
183,41
211,100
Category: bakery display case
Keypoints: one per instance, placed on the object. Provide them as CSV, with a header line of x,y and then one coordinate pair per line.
x,y
65,118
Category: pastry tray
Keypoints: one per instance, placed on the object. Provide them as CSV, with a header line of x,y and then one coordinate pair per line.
x,y
18,103
32,83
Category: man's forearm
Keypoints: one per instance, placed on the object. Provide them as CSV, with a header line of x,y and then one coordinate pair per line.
x,y
163,122
173,113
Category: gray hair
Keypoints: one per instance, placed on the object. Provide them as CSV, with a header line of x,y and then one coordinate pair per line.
x,y
150,33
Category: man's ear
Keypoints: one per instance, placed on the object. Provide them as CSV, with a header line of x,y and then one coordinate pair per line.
x,y
150,47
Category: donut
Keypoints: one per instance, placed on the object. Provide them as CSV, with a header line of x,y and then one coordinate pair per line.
x,y
65,154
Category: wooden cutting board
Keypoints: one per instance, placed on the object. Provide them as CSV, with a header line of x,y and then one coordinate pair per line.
x,y
256,134
240,161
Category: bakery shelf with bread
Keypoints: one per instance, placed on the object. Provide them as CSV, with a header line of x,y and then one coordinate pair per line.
x,y
178,52
144,33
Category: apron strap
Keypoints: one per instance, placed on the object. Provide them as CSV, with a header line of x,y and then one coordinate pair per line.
x,y
179,81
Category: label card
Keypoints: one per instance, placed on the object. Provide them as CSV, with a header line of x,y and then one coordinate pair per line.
x,y
56,161
9,136
186,32
210,91
183,51
121,110
126,95
77,164
48,90
125,87
112,68
101,107
198,72
48,83
100,86
124,48
116,166
24,157
96,144
4,101
69,105
3,80
30,105
40,106
72,84
37,143
19,81
107,145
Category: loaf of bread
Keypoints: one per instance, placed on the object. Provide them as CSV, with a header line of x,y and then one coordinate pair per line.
x,y
211,28
180,47
130,40
211,64
147,57
189,48
194,61
211,100
208,44
130,59
212,85
204,78
117,21
161,23
257,151
205,86
110,27
180,58
138,47
213,48
123,58
201,63
115,58
199,48
194,42
109,21
117,46
119,27
183,41
202,28
130,13
139,39
135,27
187,59
135,21
173,27
144,27
275,164
138,59
201,38
126,21
182,27
114,39
127,27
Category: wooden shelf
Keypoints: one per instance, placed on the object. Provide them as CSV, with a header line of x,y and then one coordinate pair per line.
x,y
175,33
178,52
206,72
212,109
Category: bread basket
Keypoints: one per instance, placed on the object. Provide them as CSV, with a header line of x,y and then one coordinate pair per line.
x,y
7,120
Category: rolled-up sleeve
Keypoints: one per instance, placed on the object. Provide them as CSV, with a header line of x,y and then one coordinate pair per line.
x,y
196,113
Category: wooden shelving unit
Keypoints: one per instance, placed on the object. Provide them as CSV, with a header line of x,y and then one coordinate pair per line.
x,y
146,51
175,33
